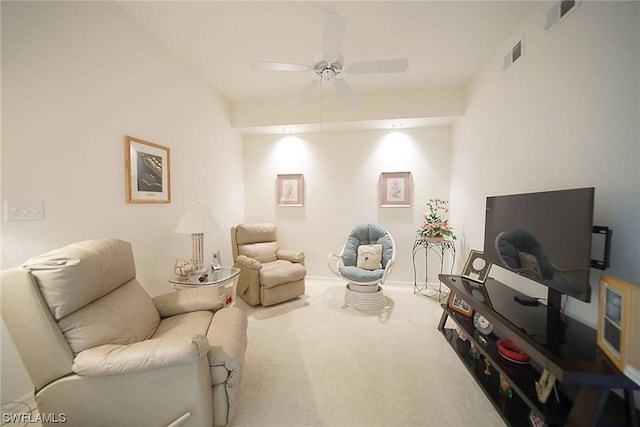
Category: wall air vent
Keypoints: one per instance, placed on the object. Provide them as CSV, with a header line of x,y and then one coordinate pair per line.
x,y
514,54
559,11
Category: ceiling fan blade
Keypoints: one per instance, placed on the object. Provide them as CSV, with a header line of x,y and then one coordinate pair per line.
x,y
380,66
298,97
280,66
347,92
334,28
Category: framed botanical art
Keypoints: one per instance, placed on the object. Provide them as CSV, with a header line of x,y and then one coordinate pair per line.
x,y
395,189
290,189
147,171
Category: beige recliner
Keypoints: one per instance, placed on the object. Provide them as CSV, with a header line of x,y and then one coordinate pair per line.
x,y
270,275
101,351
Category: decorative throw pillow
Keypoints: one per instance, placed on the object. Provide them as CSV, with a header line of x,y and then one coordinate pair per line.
x,y
530,262
369,257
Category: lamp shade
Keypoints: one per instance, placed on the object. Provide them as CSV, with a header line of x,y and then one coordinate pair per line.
x,y
197,219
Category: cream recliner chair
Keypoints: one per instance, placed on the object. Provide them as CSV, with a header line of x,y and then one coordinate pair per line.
x,y
101,351
270,275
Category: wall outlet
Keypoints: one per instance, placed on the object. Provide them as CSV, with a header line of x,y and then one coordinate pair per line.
x,y
24,210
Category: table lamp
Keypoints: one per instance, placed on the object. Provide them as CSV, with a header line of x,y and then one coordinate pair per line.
x,y
196,221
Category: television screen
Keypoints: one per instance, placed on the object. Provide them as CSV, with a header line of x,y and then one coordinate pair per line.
x,y
544,236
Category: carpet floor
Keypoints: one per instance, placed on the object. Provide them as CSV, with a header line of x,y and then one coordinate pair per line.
x,y
313,361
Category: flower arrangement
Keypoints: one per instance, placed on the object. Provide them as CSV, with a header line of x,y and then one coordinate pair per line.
x,y
435,224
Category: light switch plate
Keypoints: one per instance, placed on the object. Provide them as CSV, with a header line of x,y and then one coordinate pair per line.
x,y
24,210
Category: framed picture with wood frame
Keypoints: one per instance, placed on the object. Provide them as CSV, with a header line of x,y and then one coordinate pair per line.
x,y
148,177
458,304
395,189
290,189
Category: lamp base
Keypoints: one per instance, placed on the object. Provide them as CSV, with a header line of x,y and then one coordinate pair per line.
x,y
197,247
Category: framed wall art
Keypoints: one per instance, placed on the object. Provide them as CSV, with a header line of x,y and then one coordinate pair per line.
x,y
395,189
290,189
147,171
477,267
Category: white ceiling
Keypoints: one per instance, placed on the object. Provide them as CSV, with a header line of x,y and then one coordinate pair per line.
x,y
446,42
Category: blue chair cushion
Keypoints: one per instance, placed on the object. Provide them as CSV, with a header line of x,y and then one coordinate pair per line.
x,y
366,234
361,275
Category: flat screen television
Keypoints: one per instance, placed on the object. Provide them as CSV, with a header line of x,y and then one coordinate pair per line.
x,y
544,236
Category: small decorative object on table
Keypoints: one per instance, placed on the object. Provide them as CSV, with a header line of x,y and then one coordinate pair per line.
x,y
504,389
482,324
535,420
436,224
487,367
183,268
545,385
458,304
474,352
510,351
215,261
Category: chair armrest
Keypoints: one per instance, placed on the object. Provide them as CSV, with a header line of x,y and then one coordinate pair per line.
x,y
116,359
244,262
334,262
188,300
289,255
228,338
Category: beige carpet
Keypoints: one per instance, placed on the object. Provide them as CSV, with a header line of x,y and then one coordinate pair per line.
x,y
314,362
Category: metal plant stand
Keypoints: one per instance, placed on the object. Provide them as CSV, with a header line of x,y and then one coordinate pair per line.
x,y
443,249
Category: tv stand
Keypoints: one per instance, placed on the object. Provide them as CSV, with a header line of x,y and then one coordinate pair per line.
x,y
562,345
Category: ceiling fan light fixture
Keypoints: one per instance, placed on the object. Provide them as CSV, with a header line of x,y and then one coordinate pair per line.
x,y
328,64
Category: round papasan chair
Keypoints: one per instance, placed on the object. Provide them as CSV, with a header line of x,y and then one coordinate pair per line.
x,y
365,262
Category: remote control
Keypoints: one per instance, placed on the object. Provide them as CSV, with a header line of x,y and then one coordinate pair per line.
x,y
528,302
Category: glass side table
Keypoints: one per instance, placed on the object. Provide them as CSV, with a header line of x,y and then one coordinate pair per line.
x,y
225,279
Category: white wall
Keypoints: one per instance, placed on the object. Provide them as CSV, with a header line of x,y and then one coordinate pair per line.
x,y
341,174
77,77
565,115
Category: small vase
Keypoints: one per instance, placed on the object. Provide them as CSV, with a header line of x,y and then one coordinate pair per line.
x,y
433,238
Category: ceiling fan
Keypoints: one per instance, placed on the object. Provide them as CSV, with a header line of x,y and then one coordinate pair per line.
x,y
329,64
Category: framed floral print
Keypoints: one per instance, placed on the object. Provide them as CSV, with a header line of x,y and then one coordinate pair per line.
x,y
290,189
395,189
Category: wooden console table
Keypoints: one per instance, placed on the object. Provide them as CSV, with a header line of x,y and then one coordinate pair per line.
x,y
564,346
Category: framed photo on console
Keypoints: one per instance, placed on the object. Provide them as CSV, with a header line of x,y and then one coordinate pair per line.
x,y
477,267
458,304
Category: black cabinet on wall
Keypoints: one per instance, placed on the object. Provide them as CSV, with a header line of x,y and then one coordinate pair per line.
x,y
563,346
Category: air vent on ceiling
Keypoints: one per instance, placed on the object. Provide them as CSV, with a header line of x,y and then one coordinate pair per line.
x,y
514,54
559,11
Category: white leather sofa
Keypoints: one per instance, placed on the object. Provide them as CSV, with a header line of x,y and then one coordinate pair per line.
x,y
101,351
